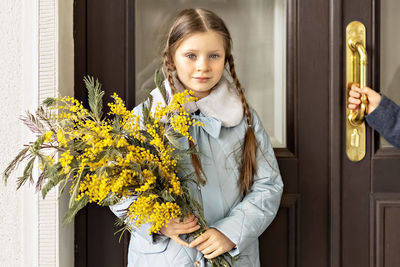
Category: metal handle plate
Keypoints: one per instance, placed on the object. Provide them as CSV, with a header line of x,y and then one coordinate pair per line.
x,y
356,72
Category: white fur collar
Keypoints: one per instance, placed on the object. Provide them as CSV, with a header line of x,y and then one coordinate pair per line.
x,y
223,102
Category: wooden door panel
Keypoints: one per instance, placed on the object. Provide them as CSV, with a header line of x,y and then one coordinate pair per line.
x,y
355,177
334,212
313,131
384,171
105,48
102,235
280,241
385,231
370,188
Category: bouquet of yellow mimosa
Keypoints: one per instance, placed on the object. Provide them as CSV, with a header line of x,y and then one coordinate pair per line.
x,y
103,159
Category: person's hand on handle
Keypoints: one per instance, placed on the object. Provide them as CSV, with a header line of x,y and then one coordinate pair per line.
x,y
355,98
212,243
175,228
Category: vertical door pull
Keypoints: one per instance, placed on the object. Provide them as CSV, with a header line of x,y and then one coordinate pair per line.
x,y
356,72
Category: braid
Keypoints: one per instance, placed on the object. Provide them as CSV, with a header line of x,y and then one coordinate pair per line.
x,y
240,89
248,166
168,69
198,168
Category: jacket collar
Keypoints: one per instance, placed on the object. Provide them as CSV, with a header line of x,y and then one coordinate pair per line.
x,y
223,103
222,107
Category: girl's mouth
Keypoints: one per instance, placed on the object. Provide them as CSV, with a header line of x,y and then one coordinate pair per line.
x,y
202,79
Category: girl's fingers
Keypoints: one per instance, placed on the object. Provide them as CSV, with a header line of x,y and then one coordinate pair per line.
x,y
202,246
186,220
216,253
175,227
189,220
199,240
177,224
190,230
185,227
178,229
174,221
210,249
194,228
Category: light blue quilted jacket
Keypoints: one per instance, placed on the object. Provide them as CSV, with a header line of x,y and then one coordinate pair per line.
x,y
242,220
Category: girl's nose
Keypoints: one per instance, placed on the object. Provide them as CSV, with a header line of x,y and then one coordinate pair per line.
x,y
202,64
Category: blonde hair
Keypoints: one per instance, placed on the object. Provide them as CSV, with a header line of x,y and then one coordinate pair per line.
x,y
190,21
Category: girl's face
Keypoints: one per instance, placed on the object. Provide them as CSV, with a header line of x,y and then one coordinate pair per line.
x,y
199,61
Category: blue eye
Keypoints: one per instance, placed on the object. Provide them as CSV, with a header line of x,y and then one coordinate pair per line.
x,y
214,56
191,56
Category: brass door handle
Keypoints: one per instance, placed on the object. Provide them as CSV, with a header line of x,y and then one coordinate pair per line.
x,y
357,117
356,72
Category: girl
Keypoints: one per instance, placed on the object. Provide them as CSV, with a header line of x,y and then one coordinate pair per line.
x,y
243,186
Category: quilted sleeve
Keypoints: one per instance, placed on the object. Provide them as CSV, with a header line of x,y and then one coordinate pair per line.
x,y
119,210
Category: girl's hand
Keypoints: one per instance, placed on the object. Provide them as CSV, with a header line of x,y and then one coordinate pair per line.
x,y
355,94
212,243
175,228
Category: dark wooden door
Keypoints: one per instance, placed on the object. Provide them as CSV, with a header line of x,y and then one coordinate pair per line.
x,y
370,189
334,212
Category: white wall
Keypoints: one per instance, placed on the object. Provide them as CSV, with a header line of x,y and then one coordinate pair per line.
x,y
19,90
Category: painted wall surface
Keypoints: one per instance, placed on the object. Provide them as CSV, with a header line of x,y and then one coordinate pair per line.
x,y
18,93
19,51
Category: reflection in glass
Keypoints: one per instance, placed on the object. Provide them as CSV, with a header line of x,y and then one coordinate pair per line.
x,y
258,29
390,53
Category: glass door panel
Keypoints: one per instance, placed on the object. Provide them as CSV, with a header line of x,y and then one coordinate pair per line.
x,y
258,29
390,53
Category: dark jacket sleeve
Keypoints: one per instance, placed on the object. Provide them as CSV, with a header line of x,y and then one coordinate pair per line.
x,y
385,119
